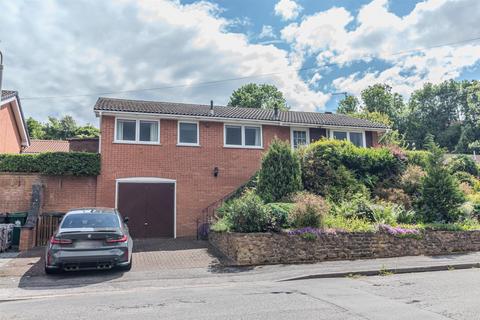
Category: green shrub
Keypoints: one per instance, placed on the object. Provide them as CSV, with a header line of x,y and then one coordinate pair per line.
x,y
247,213
411,179
53,163
280,212
358,206
417,157
348,224
394,195
465,177
309,210
463,163
440,196
336,168
221,225
280,174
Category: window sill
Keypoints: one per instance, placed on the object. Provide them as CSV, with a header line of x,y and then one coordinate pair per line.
x,y
138,143
243,147
188,145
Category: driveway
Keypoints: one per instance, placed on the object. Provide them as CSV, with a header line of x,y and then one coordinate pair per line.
x,y
148,255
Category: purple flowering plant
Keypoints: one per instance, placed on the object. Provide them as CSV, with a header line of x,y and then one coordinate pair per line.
x,y
399,232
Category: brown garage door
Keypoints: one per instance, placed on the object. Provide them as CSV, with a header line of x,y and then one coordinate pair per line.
x,y
150,208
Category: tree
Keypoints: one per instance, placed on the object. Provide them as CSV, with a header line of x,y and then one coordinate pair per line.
x,y
252,95
60,129
347,105
280,174
379,98
35,129
440,196
435,110
87,131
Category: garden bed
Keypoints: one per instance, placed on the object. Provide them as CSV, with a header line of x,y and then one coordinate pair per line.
x,y
276,248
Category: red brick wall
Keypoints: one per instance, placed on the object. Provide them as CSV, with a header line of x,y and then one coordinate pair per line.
x,y
191,167
59,193
84,145
16,191
10,140
64,193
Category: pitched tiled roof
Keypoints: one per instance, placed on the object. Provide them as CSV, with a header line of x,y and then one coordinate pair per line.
x,y
38,146
183,109
6,94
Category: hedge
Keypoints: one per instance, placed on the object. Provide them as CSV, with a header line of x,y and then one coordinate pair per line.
x,y
365,163
52,163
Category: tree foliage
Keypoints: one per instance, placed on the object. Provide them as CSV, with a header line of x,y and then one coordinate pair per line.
x,y
280,174
60,129
450,111
252,95
440,197
348,105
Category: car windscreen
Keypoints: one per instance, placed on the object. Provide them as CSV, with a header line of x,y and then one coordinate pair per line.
x,y
90,220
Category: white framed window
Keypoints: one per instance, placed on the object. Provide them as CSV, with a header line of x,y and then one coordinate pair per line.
x,y
355,137
299,137
140,131
242,136
188,133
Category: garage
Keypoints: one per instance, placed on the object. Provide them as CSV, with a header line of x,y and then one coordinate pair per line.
x,y
149,203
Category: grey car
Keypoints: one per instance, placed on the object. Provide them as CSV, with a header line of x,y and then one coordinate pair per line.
x,y
90,238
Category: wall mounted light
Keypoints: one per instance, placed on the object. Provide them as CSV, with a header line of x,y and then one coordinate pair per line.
x,y
215,172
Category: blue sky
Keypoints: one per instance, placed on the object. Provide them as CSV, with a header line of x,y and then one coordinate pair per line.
x,y
72,52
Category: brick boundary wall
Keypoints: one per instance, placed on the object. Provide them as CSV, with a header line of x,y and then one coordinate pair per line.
x,y
60,193
275,248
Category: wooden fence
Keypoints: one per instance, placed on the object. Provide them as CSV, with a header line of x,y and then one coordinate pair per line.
x,y
47,223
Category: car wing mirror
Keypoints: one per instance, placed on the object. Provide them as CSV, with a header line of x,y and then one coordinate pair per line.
x,y
125,220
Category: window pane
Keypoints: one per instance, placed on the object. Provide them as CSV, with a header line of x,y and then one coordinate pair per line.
x,y
233,135
299,138
188,132
90,220
356,138
252,136
149,131
340,135
126,130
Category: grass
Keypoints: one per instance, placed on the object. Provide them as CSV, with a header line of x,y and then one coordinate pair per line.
x,y
384,271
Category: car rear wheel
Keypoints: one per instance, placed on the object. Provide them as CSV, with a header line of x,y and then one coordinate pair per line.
x,y
52,271
127,267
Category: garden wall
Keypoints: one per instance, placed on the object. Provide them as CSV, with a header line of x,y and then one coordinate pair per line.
x,y
274,248
60,193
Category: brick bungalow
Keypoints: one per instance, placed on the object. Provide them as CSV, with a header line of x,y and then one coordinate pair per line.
x,y
13,130
164,163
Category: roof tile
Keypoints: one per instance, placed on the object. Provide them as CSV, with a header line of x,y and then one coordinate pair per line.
x,y
39,146
199,110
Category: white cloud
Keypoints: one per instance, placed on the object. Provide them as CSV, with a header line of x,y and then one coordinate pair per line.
x,y
287,9
378,33
54,47
267,32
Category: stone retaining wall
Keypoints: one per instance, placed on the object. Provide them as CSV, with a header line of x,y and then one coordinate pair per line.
x,y
273,248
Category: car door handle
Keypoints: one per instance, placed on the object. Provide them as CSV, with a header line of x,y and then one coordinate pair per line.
x,y
146,223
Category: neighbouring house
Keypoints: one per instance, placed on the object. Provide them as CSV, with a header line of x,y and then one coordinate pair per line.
x,y
13,130
69,145
164,164
83,144
39,146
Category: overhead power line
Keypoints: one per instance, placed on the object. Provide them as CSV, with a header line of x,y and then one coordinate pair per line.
x,y
214,82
